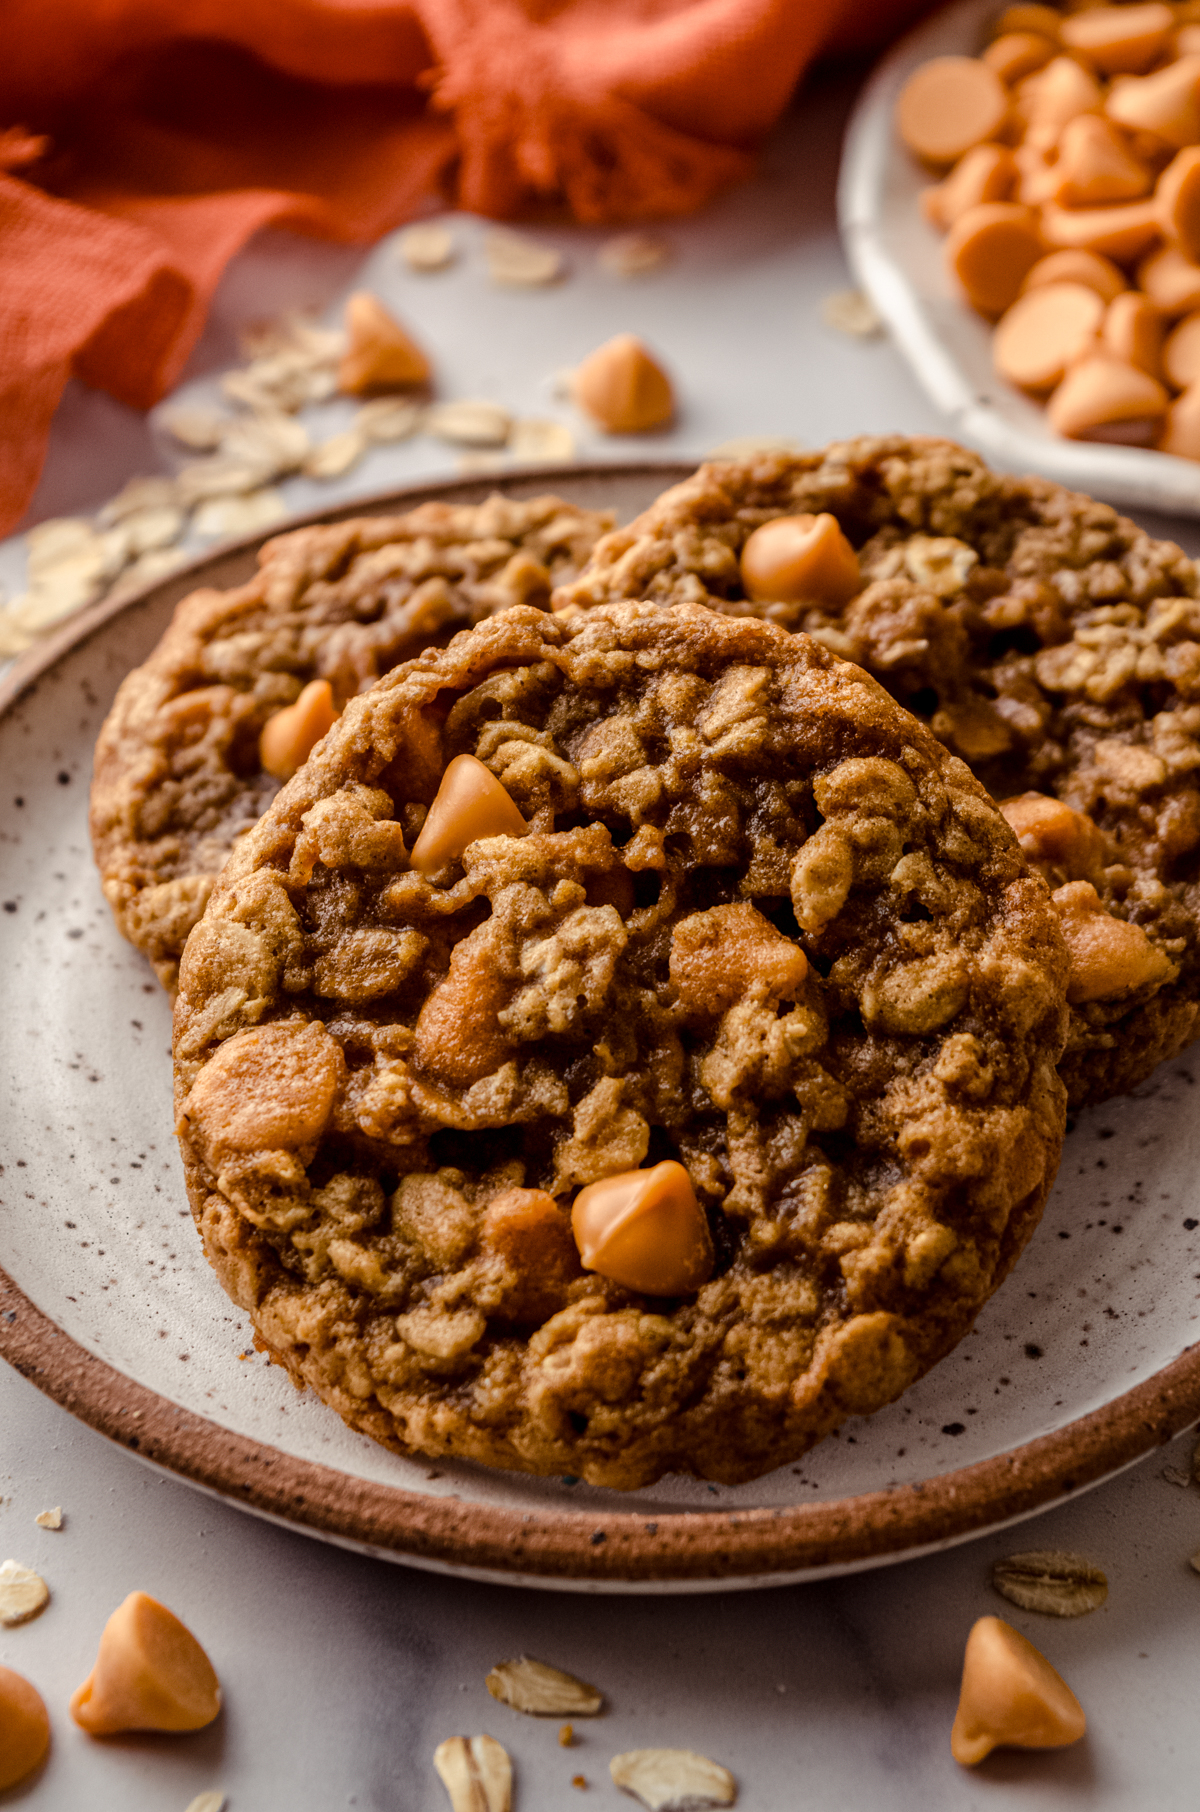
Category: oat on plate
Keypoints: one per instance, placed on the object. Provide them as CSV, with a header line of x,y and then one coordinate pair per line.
x,y
628,1045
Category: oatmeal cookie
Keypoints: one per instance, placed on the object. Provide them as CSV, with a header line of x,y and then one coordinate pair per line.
x,y
179,773
753,951
1047,640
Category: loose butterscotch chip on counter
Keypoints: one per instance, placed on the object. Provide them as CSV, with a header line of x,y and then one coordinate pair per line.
x,y
1011,1697
24,1728
380,354
561,1137
150,1674
623,387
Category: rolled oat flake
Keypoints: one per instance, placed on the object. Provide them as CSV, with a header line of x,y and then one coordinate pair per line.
x,y
541,1690
23,1594
1051,1581
673,1780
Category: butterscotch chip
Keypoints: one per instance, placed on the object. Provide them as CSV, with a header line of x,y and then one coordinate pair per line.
x,y
179,772
754,940
948,105
1057,651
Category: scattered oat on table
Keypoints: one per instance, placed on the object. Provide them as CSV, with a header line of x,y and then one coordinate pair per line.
x,y
198,428
470,423
244,515
389,418
519,263
159,492
1176,1475
542,1691
427,246
337,455
1056,1583
476,1773
673,1780
24,1594
849,311
541,441
272,441
634,254
1194,1562
50,1519
220,476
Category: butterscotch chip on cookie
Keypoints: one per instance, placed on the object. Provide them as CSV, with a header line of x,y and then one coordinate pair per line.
x,y
1045,639
694,1110
182,766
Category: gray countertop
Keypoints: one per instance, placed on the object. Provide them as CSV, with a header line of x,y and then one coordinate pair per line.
x,y
342,1674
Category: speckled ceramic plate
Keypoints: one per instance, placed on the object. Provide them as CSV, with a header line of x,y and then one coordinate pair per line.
x,y
1082,1363
897,257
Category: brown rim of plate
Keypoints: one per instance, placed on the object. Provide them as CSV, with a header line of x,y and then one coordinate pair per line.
x,y
657,1548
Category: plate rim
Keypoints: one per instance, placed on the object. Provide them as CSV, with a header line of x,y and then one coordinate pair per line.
x,y
664,1548
1128,477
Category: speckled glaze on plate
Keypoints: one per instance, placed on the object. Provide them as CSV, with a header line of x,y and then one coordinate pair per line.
x,y
1085,1360
897,258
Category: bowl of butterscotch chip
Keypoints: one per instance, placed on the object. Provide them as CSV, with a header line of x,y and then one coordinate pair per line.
x,y
1020,198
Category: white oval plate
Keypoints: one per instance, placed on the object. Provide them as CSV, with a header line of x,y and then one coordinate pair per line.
x,y
896,257
1077,1367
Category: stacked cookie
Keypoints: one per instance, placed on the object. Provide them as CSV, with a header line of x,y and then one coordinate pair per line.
x,y
629,1042
1046,640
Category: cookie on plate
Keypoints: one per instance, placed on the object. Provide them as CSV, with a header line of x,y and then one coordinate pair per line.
x,y
1047,640
182,766
628,1045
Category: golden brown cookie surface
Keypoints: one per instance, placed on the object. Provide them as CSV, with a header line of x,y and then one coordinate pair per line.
x,y
1045,639
179,775
760,924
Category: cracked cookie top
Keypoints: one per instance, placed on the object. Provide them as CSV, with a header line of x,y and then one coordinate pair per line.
x,y
756,922
1045,639
179,774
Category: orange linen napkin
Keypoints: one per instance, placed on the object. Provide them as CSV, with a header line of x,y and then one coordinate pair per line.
x,y
173,132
